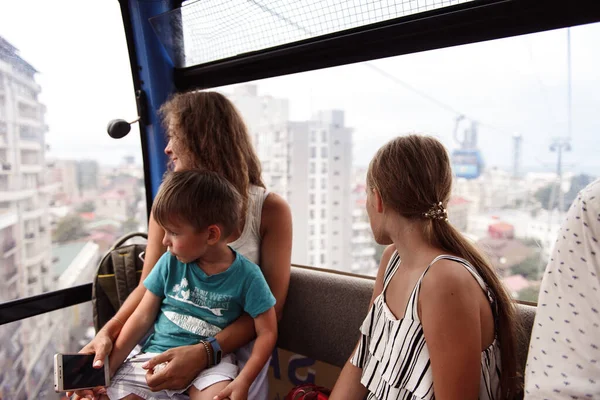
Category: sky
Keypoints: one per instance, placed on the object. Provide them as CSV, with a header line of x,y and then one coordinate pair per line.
x,y
79,49
513,85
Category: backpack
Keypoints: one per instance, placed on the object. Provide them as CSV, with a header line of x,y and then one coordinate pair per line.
x,y
308,391
117,275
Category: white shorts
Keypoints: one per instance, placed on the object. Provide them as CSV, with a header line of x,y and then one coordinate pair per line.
x,y
131,379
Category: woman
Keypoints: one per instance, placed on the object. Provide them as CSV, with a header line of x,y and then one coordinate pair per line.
x,y
440,324
206,131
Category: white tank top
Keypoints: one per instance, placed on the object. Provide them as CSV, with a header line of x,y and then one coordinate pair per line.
x,y
248,244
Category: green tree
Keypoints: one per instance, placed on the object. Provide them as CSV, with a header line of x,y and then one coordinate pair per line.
x,y
70,228
530,267
518,203
543,196
529,294
88,206
578,182
130,225
531,242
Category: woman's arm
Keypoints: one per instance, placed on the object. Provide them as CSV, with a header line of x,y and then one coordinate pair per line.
x,y
102,343
450,315
276,248
186,362
135,328
348,384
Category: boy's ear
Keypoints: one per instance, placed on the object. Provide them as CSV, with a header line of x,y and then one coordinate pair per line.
x,y
214,234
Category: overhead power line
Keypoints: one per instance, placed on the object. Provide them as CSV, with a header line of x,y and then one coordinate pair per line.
x,y
445,106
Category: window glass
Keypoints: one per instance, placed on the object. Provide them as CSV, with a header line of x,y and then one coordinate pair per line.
x,y
27,352
67,190
513,114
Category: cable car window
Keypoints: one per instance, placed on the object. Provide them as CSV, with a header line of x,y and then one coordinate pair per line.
x,y
67,190
27,352
512,113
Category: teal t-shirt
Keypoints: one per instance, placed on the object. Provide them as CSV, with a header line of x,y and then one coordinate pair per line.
x,y
196,306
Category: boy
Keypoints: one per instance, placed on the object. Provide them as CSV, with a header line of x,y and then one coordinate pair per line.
x,y
198,287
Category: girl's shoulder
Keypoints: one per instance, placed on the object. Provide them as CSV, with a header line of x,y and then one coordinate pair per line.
x,y
448,281
447,272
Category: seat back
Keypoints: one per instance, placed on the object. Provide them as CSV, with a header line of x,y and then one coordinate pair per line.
x,y
324,310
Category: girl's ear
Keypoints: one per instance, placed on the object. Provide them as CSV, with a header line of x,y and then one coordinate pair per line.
x,y
214,234
378,202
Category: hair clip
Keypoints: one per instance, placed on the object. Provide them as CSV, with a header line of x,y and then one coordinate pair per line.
x,y
437,211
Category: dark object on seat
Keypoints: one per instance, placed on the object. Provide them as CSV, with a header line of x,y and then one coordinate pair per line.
x,y
308,391
118,274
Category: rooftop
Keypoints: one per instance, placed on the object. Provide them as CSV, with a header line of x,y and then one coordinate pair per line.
x,y
64,255
10,54
505,253
502,227
516,283
457,201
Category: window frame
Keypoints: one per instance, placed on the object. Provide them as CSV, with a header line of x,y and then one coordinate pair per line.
x,y
155,78
465,23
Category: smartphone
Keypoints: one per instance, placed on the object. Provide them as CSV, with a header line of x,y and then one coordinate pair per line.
x,y
76,371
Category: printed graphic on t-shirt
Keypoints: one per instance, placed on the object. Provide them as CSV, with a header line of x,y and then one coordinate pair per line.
x,y
192,324
215,303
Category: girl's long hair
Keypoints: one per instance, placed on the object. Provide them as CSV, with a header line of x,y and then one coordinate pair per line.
x,y
412,173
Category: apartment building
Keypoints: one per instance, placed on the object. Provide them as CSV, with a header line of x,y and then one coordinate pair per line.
x,y
309,163
24,227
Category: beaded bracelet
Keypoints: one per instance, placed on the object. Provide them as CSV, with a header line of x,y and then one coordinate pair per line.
x,y
208,348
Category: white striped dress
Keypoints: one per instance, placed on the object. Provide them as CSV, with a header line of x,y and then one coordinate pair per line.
x,y
393,353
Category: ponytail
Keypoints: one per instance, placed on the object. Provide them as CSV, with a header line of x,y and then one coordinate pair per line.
x,y
449,239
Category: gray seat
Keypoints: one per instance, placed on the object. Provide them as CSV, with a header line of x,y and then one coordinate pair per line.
x,y
324,311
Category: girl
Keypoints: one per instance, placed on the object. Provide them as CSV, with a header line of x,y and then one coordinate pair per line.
x,y
440,324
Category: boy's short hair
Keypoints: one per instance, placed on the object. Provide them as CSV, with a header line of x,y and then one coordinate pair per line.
x,y
198,198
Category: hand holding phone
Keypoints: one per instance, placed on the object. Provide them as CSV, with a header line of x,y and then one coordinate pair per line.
x,y
76,372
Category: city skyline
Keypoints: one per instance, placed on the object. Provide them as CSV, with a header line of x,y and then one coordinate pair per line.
x,y
513,85
63,206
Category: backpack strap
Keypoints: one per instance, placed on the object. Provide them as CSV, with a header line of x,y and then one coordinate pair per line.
x,y
125,238
123,261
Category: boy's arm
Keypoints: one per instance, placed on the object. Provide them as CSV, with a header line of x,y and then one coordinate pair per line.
x,y
266,338
135,328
